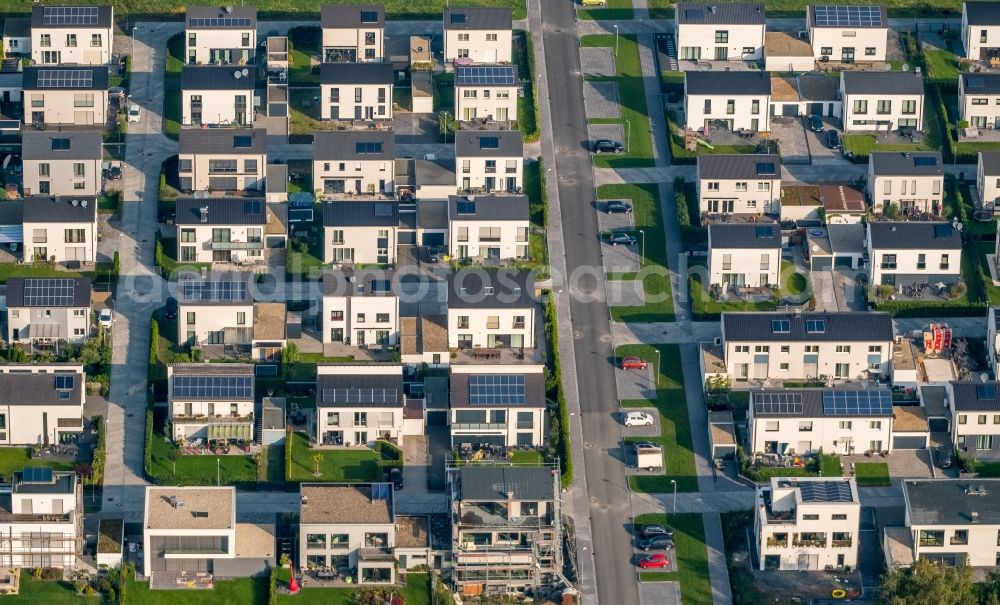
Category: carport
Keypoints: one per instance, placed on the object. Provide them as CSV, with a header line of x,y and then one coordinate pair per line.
x,y
819,249
847,244
723,435
909,428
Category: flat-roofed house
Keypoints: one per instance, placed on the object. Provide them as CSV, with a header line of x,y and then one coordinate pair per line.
x,y
361,308
47,310
41,403
739,183
220,36
60,229
41,517
497,405
850,34
479,155
72,35
979,100
62,163
477,35
222,160
882,101
909,253
229,230
727,31
354,162
731,100
360,232
493,227
911,182
217,95
356,91
486,92
64,95
981,30
988,180
211,401
353,33
358,404
744,255
491,308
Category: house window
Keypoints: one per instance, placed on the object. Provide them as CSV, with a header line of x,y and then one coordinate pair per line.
x,y
463,322
888,261
936,189
491,37
962,418
845,425
843,348
463,234
921,261
337,236
360,418
336,316
79,169
839,517
979,101
714,186
730,106
812,349
826,50
190,318
46,40
360,318
708,106
741,186
981,419
944,262
749,50
755,107
984,442
861,107
742,348
783,367
805,426
875,348
884,107
245,39
721,37
727,262
763,186
810,517
517,323
382,318
96,40
493,322
241,318
71,40
762,349
463,37
869,51
75,236
910,106
771,425
875,425
333,419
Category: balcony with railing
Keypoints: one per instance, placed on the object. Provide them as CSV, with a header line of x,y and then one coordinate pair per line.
x,y
776,542
479,426
375,553
238,245
213,419
810,539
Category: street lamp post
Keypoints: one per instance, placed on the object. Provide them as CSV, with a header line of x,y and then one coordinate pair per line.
x,y
616,40
132,52
674,483
642,248
628,133
657,361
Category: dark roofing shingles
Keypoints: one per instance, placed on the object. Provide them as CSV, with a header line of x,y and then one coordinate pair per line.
x,y
491,289
487,483
739,83
838,327
360,213
17,27
721,13
222,140
104,18
60,209
882,82
982,13
83,145
216,77
348,282
914,163
39,389
975,396
221,211
326,382
534,391
489,208
984,84
16,287
744,236
335,145
990,161
356,73
477,18
739,166
943,502
349,16
473,143
98,77
914,235
214,12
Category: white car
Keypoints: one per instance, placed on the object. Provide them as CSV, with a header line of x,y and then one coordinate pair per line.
x,y
105,318
134,113
638,419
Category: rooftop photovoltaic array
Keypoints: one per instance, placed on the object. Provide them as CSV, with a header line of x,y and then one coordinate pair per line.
x,y
777,403
848,16
925,160
214,290
475,75
69,15
220,22
826,491
373,396
36,474
383,209
65,78
213,387
857,403
986,391
496,389
55,292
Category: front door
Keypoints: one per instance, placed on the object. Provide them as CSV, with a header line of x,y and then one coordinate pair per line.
x,y
359,338
847,54
721,53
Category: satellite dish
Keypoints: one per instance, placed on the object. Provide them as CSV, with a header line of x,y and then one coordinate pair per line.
x,y
237,74
83,203
420,49
815,248
906,67
888,67
984,377
246,72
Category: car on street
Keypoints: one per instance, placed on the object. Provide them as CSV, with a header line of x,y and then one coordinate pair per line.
x,y
653,562
832,139
656,543
170,308
634,363
134,113
815,123
607,146
638,419
617,207
621,239
105,317
648,531
942,457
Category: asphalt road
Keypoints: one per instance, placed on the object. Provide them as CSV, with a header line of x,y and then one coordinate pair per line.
x,y
609,497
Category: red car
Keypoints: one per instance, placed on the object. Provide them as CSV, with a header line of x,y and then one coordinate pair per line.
x,y
633,363
654,562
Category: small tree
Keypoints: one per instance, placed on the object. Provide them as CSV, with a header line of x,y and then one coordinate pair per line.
x,y
317,460
291,355
926,583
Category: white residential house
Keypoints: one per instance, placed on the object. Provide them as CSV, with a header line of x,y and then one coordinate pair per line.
x,y
988,180
993,338
801,346
477,35
217,95
41,517
72,35
804,421
361,308
241,231
356,91
350,528
493,227
75,96
725,31
807,523
360,232
981,30
211,401
480,155
744,255
48,310
497,405
975,422
348,163
60,229
359,404
17,37
739,184
191,537
882,101
491,308
911,182
727,101
847,33
220,36
62,163
222,160
486,92
353,33
42,403
979,100
913,252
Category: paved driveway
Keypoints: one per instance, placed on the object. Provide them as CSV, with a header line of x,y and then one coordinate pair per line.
x,y
792,141
818,150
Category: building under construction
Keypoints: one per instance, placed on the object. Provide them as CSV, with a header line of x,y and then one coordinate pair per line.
x,y
41,519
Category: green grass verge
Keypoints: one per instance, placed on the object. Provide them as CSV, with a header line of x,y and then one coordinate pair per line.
x,y
172,86
527,457
527,104
691,553
13,459
675,426
614,10
941,65
170,467
872,474
337,465
35,592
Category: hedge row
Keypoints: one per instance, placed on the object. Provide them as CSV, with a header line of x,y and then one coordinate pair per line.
x,y
97,466
558,417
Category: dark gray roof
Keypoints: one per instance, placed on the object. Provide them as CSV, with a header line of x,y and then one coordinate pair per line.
x,y
736,83
434,172
40,389
881,82
66,77
11,212
838,327
914,235
48,292
745,236
335,145
944,502
348,282
360,213
231,17
83,145
720,13
975,396
59,16
359,390
349,16
808,403
495,482
982,13
61,209
477,18
223,140
725,166
534,392
913,163
432,214
491,289
990,162
485,75
489,143
17,27
356,73
850,16
221,211
984,84
216,289
488,208
216,77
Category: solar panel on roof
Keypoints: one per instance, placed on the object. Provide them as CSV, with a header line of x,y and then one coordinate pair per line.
x,y
825,491
925,160
380,491
975,81
857,403
383,209
36,474
213,387
848,16
354,396
65,78
214,290
986,391
485,75
694,14
220,22
49,292
252,207
496,389
69,15
777,403
369,16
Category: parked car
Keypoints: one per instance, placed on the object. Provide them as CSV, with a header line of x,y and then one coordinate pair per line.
x,y
638,419
815,123
396,477
634,363
170,308
607,146
134,113
660,542
639,445
592,2
654,562
942,456
621,239
617,207
648,531
105,317
832,139
113,173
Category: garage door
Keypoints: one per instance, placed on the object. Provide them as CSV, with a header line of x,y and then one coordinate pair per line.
x,y
937,425
789,110
433,239
821,263
437,418
909,442
815,109
406,238
843,262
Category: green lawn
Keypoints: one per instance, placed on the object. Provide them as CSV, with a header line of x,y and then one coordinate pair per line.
x,y
14,459
526,457
305,43
614,10
675,426
795,283
691,553
337,465
444,92
534,188
648,218
304,260
36,592
678,153
632,98
416,592
988,469
830,466
941,65
872,474
248,591
9,270
305,116
661,9
172,87
198,470
704,307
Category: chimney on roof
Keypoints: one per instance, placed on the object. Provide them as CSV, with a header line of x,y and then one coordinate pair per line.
x,y
204,214
713,9
510,504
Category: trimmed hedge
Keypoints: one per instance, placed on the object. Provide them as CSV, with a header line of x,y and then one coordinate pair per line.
x,y
559,414
390,456
97,466
147,452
